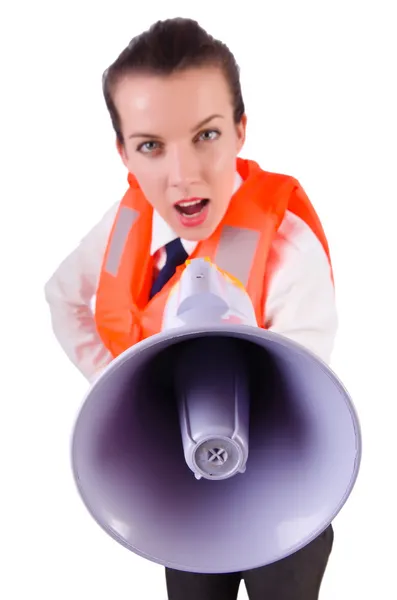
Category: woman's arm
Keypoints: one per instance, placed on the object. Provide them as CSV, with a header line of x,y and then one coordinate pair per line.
x,y
70,293
301,298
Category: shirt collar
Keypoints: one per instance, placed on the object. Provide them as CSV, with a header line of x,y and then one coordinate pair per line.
x,y
162,233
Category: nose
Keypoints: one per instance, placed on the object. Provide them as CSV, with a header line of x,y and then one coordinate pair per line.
x,y
183,167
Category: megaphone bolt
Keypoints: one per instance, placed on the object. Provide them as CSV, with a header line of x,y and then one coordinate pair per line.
x,y
217,456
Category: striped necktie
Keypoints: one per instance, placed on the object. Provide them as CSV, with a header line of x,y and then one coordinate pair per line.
x,y
176,255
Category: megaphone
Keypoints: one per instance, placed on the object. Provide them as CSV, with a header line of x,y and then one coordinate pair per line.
x,y
215,446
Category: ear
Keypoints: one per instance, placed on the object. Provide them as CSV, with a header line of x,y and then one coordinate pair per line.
x,y
121,150
241,132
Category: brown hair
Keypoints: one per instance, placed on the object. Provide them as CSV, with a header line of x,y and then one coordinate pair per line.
x,y
167,47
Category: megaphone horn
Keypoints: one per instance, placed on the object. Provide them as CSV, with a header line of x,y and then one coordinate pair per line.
x,y
215,446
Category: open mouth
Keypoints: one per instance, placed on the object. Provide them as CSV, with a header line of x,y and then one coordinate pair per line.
x,y
191,208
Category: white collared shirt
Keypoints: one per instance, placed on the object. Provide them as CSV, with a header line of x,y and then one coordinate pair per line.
x,y
300,303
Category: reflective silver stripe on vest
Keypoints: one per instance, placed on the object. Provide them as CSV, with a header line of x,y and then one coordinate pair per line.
x,y
125,220
236,251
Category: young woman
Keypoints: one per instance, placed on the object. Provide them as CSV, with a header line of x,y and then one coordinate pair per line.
x,y
176,106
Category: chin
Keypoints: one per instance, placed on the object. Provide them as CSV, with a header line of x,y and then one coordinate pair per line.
x,y
198,234
194,236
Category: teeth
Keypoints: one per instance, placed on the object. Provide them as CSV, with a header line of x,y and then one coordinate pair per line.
x,y
192,203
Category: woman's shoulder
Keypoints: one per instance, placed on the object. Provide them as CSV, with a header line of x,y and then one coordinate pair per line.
x,y
296,240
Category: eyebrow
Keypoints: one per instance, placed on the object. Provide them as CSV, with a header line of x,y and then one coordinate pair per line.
x,y
157,137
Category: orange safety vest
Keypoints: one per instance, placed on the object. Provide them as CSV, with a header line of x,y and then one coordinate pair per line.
x,y
240,246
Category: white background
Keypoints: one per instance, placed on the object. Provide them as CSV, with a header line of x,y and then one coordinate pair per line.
x,y
319,83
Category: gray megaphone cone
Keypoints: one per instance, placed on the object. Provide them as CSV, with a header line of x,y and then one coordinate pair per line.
x,y
215,446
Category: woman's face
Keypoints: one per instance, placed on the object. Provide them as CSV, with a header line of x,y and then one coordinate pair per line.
x,y
181,144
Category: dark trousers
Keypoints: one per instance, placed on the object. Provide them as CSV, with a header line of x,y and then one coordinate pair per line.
x,y
297,577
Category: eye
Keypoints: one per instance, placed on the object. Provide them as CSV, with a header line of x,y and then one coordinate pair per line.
x,y
209,135
148,147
